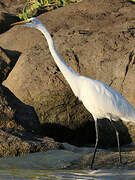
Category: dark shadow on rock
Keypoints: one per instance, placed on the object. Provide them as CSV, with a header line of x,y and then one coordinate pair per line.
x,y
7,20
107,134
24,115
13,55
20,128
8,59
81,136
85,135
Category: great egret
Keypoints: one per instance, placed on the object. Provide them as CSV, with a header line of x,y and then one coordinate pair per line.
x,y
99,99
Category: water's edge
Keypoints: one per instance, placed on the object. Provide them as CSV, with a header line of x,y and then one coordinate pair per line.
x,y
71,163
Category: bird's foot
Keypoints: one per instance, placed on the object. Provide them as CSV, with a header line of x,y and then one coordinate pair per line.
x,y
93,168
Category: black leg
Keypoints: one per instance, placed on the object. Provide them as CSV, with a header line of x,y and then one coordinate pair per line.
x,y
95,149
118,141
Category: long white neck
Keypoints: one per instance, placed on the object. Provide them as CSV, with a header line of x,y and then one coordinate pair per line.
x,y
70,75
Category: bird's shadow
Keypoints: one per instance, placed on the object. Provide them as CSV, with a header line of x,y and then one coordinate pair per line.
x,y
81,136
85,135
107,133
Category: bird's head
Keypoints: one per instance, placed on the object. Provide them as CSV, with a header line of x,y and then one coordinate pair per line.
x,y
31,22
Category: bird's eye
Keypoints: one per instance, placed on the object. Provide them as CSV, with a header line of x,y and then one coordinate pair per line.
x,y
31,21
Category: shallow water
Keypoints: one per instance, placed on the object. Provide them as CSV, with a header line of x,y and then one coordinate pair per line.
x,y
21,174
54,165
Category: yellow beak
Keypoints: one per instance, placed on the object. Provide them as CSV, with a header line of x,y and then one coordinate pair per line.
x,y
20,22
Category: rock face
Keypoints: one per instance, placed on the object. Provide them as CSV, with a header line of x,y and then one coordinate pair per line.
x,y
6,19
19,124
96,38
12,6
13,109
8,11
20,142
7,62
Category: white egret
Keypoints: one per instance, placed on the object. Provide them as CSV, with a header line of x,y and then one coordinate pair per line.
x,y
98,98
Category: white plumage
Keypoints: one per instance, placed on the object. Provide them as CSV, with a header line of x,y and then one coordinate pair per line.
x,y
103,101
99,99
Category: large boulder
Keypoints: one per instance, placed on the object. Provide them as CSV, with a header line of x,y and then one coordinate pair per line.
x,y
19,126
96,41
16,114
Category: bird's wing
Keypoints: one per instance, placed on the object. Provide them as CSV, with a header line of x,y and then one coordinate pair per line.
x,y
103,101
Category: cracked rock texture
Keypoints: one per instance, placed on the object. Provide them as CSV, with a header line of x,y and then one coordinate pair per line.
x,y
97,39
